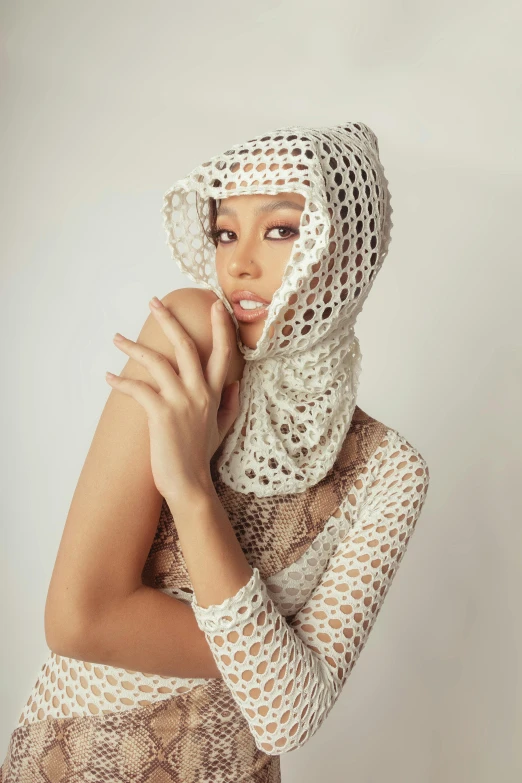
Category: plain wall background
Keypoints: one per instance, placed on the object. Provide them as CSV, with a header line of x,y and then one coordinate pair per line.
x,y
105,105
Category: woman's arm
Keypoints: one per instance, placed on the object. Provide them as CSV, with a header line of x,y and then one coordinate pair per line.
x,y
285,674
137,633
97,608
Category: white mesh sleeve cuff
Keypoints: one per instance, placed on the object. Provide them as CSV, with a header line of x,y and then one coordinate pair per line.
x,y
237,608
285,673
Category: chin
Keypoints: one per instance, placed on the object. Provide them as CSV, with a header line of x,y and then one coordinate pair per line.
x,y
250,333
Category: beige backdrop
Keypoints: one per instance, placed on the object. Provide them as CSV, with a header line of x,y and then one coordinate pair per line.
x,y
105,105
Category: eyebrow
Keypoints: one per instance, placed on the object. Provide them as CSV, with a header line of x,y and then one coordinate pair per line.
x,y
271,207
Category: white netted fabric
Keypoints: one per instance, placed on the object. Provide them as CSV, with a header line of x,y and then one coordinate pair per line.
x,y
285,673
285,643
299,386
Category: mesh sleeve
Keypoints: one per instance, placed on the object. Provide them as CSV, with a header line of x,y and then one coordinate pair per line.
x,y
286,673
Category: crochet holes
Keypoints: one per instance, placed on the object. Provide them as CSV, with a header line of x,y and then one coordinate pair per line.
x,y
68,688
309,330
288,674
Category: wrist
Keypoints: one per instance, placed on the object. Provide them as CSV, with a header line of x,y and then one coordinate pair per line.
x,y
193,490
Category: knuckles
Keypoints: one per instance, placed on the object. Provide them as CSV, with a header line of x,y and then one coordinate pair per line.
x,y
187,343
155,356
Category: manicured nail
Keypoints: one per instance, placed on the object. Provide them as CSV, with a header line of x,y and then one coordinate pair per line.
x,y
155,302
219,306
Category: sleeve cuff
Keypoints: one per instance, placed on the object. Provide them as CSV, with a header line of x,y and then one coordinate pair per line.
x,y
227,615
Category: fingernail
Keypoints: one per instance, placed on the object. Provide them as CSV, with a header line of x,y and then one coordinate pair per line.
x,y
219,306
155,302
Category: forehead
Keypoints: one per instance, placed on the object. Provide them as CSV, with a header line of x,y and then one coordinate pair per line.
x,y
260,203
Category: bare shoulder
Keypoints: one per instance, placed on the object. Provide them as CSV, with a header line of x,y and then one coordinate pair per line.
x,y
192,306
115,508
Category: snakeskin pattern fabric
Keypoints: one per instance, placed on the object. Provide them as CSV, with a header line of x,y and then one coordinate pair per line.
x,y
285,644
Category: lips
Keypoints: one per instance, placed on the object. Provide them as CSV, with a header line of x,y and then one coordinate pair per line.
x,y
248,316
235,296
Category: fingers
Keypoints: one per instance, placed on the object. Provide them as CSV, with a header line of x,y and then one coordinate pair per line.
x,y
190,372
219,360
143,393
187,355
156,363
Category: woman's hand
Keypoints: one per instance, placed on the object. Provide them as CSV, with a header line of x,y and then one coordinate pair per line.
x,y
190,416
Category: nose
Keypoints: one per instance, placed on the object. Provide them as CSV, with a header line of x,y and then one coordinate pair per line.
x,y
242,261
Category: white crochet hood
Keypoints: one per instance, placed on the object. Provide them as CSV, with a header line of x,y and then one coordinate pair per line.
x,y
299,387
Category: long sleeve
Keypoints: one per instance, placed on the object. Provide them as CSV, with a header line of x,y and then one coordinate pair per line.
x,y
286,673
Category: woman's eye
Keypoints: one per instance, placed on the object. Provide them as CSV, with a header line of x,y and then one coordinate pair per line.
x,y
220,233
282,228
217,236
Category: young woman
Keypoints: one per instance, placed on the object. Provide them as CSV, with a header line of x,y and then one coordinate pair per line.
x,y
229,545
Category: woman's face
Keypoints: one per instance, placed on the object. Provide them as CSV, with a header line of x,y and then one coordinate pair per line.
x,y
254,235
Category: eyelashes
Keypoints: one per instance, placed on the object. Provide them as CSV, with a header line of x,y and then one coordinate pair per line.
x,y
215,234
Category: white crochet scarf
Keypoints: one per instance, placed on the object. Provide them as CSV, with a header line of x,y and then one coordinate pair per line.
x,y
299,387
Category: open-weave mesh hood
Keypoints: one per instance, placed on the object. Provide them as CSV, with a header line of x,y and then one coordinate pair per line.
x,y
299,387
